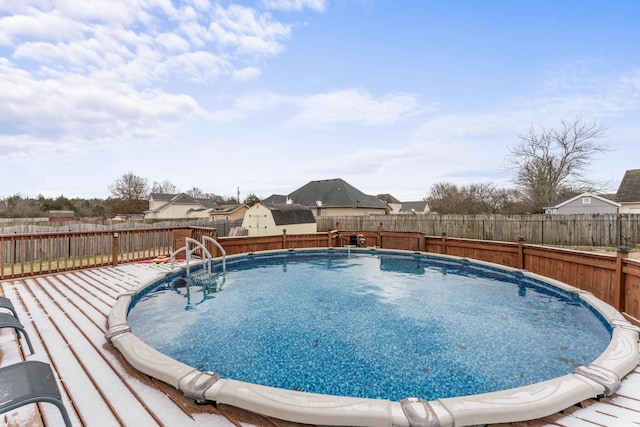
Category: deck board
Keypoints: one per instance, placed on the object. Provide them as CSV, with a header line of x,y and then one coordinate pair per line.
x,y
65,315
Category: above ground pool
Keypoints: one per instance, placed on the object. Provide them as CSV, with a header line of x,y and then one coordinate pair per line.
x,y
356,337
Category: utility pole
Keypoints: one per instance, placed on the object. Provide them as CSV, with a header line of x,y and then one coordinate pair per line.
x,y
238,195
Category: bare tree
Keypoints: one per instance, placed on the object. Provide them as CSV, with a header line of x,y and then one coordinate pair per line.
x,y
444,198
483,198
552,162
198,193
129,193
19,206
164,187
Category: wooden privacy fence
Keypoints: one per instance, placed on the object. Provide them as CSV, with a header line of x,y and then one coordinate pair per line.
x,y
614,279
609,230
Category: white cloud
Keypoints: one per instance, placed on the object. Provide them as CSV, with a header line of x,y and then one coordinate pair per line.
x,y
247,73
354,106
82,71
52,26
173,42
247,31
325,109
77,108
198,66
21,146
296,5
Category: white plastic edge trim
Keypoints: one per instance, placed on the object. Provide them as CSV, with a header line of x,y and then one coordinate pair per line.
x,y
528,402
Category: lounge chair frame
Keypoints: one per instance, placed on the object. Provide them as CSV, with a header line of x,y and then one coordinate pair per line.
x,y
29,382
6,303
9,321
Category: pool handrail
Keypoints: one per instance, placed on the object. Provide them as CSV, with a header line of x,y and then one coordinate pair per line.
x,y
220,248
205,254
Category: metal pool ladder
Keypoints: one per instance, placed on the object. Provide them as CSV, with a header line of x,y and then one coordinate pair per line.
x,y
189,250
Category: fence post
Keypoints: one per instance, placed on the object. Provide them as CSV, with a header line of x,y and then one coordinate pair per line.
x,y
619,290
520,253
444,242
379,237
422,242
180,240
114,249
284,238
214,236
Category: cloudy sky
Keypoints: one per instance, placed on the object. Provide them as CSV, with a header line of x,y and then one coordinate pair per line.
x,y
267,95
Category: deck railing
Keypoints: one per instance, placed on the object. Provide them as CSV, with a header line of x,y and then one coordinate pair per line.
x,y
40,253
614,279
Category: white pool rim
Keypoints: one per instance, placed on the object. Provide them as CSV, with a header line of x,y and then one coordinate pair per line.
x,y
600,378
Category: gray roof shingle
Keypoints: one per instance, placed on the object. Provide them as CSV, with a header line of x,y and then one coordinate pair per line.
x,y
180,198
285,214
334,193
629,189
418,206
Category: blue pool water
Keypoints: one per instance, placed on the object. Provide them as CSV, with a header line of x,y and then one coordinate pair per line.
x,y
375,325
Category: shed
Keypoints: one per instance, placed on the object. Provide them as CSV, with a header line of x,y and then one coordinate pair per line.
x,y
269,219
62,215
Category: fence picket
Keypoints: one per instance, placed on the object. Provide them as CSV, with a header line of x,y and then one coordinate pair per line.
x,y
608,230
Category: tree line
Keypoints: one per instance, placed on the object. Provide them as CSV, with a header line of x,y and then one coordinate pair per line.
x,y
548,163
127,194
130,193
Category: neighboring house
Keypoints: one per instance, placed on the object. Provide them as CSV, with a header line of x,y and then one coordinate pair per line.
x,y
331,197
264,220
172,206
419,207
228,212
394,204
628,194
398,207
585,203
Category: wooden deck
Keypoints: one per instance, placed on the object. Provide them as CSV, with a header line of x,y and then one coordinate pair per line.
x,y
66,315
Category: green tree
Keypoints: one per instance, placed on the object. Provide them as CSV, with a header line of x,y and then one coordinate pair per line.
x,y
59,204
251,200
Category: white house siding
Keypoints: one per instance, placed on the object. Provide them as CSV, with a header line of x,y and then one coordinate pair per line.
x,y
633,208
180,211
